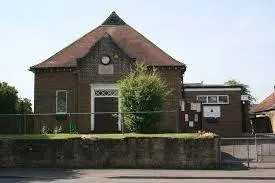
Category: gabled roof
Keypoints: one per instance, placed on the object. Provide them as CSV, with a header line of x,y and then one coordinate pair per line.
x,y
267,104
252,108
128,39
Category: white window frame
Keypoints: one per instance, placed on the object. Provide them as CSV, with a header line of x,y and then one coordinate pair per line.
x,y
223,96
202,96
216,96
218,101
56,99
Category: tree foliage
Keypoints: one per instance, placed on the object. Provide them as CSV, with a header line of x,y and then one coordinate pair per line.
x,y
24,106
141,91
10,103
245,89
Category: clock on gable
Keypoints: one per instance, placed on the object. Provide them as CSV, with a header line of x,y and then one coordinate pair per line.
x,y
105,60
106,67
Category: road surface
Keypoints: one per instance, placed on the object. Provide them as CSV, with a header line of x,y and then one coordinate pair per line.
x,y
135,176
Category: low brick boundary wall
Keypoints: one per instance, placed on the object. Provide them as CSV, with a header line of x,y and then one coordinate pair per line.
x,y
170,153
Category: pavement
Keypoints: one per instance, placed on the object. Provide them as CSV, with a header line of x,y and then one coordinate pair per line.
x,y
135,175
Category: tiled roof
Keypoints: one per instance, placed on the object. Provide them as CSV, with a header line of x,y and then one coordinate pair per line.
x,y
252,108
128,39
267,104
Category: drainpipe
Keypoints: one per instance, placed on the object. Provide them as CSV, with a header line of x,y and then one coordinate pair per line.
x,y
183,69
179,122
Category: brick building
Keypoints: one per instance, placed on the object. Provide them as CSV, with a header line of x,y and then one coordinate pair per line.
x,y
80,80
82,77
215,108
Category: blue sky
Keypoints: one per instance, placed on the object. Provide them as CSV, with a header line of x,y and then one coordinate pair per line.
x,y
217,40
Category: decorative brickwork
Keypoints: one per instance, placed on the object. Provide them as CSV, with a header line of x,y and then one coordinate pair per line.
x,y
113,19
87,67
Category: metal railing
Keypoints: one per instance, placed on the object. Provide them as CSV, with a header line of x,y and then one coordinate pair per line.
x,y
76,122
265,145
258,148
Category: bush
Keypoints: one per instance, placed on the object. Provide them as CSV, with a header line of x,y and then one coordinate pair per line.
x,y
142,91
262,125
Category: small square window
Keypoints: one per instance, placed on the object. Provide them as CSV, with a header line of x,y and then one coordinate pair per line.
x,y
212,99
202,99
223,99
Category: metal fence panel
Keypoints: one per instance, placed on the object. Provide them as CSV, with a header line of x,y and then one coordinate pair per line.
x,y
75,122
244,151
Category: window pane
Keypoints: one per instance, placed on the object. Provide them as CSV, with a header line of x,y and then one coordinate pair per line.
x,y
202,99
212,99
61,102
223,99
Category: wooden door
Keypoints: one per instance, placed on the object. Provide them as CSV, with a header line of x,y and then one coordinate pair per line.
x,y
106,123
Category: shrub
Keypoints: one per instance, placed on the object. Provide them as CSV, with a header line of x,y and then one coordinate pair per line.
x,y
57,129
45,129
142,91
72,128
262,125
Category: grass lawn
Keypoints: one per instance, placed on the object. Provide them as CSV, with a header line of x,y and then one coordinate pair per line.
x,y
40,136
168,135
103,136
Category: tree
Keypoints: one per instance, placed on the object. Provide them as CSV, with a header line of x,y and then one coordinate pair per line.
x,y
245,89
140,92
24,106
8,99
10,103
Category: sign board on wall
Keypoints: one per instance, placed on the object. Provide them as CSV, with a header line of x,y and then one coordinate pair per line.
x,y
244,98
106,69
182,104
211,111
196,106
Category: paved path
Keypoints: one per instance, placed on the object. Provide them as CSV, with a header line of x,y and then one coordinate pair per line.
x,y
135,176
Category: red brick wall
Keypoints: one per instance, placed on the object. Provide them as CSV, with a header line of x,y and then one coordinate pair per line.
x,y
172,77
45,86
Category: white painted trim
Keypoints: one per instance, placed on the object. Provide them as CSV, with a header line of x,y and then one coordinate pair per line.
x,y
99,96
56,98
104,85
119,116
105,96
98,86
92,108
212,89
